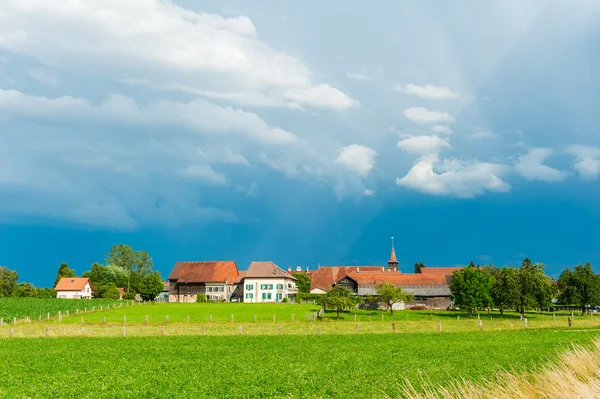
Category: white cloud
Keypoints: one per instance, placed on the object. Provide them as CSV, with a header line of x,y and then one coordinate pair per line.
x,y
198,115
205,173
427,91
359,76
368,193
422,115
205,51
531,166
423,145
483,135
43,75
357,158
456,178
587,161
442,129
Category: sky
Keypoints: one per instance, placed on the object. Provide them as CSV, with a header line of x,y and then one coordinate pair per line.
x,y
306,133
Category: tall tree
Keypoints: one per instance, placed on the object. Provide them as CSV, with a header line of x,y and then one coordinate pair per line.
x,y
8,281
535,288
418,267
25,290
151,286
303,282
505,288
389,294
471,289
339,299
580,287
64,271
122,255
143,263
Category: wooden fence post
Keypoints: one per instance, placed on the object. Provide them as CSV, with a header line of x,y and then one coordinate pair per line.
x,y
210,318
103,319
356,329
553,316
12,330
82,331
240,330
162,330
439,326
46,331
167,319
570,321
354,316
48,315
274,318
255,318
382,318
146,319
430,316
480,324
280,330
319,330
77,312
292,317
393,327
67,313
457,318
187,318
202,330
525,322
123,331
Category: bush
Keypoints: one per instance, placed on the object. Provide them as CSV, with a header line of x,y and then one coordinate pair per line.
x,y
201,298
285,300
129,296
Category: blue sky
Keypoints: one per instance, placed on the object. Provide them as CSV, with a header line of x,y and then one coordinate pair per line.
x,y
300,132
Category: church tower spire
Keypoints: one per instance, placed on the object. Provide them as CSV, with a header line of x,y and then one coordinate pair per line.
x,y
393,262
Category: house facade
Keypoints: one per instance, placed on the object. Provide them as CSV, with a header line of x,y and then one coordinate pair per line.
x,y
74,288
267,282
215,279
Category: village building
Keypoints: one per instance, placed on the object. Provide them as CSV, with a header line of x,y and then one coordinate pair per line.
x,y
74,288
430,288
267,282
216,280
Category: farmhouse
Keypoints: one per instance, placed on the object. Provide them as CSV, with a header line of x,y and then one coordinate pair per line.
x,y
215,279
430,288
74,288
267,282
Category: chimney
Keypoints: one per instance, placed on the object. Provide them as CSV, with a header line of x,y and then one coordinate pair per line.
x,y
357,269
306,269
298,268
382,269
289,268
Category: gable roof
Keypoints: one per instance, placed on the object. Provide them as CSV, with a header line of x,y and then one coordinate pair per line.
x,y
267,269
324,277
72,284
204,272
439,270
398,279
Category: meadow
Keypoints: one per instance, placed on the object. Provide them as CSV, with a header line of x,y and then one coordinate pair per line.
x,y
309,366
34,307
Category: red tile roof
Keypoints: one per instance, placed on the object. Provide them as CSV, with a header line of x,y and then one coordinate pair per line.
x,y
204,272
266,269
374,278
72,284
325,276
240,276
439,270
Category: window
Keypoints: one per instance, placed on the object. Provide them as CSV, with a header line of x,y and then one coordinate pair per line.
x,y
279,286
249,296
264,295
269,296
249,287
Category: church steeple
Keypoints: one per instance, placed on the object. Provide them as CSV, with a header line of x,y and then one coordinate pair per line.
x,y
393,262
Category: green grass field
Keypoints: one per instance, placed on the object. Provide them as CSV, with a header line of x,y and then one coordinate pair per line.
x,y
35,307
337,366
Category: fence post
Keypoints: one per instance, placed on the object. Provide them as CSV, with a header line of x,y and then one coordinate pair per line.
x,y
187,318
393,327
319,330
59,317
525,322
439,326
12,330
48,315
82,320
1,322
123,331
457,318
240,330
480,324
356,329
46,331
82,331
354,316
210,318
382,319
146,319
280,330
77,312
255,318
274,318
167,319
67,313
14,320
202,330
553,316
292,317
103,319
570,321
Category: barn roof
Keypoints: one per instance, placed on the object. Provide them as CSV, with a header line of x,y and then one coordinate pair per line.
x,y
204,272
374,278
266,269
72,284
325,276
439,270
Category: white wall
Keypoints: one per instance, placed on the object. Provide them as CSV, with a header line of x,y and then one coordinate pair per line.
x,y
252,285
86,293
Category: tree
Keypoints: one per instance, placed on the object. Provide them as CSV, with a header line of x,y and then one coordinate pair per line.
x,y
303,282
151,286
25,290
8,281
111,292
45,293
389,294
505,288
339,299
471,289
580,286
143,263
535,289
418,267
64,271
121,255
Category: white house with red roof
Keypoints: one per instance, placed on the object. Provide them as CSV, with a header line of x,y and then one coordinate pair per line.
x,y
267,282
74,288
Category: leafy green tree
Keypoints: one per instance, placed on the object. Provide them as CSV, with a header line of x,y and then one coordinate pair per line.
x,y
535,288
389,294
580,286
506,288
25,290
45,293
339,299
151,286
303,282
143,263
110,291
418,267
8,281
471,289
124,257
64,271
